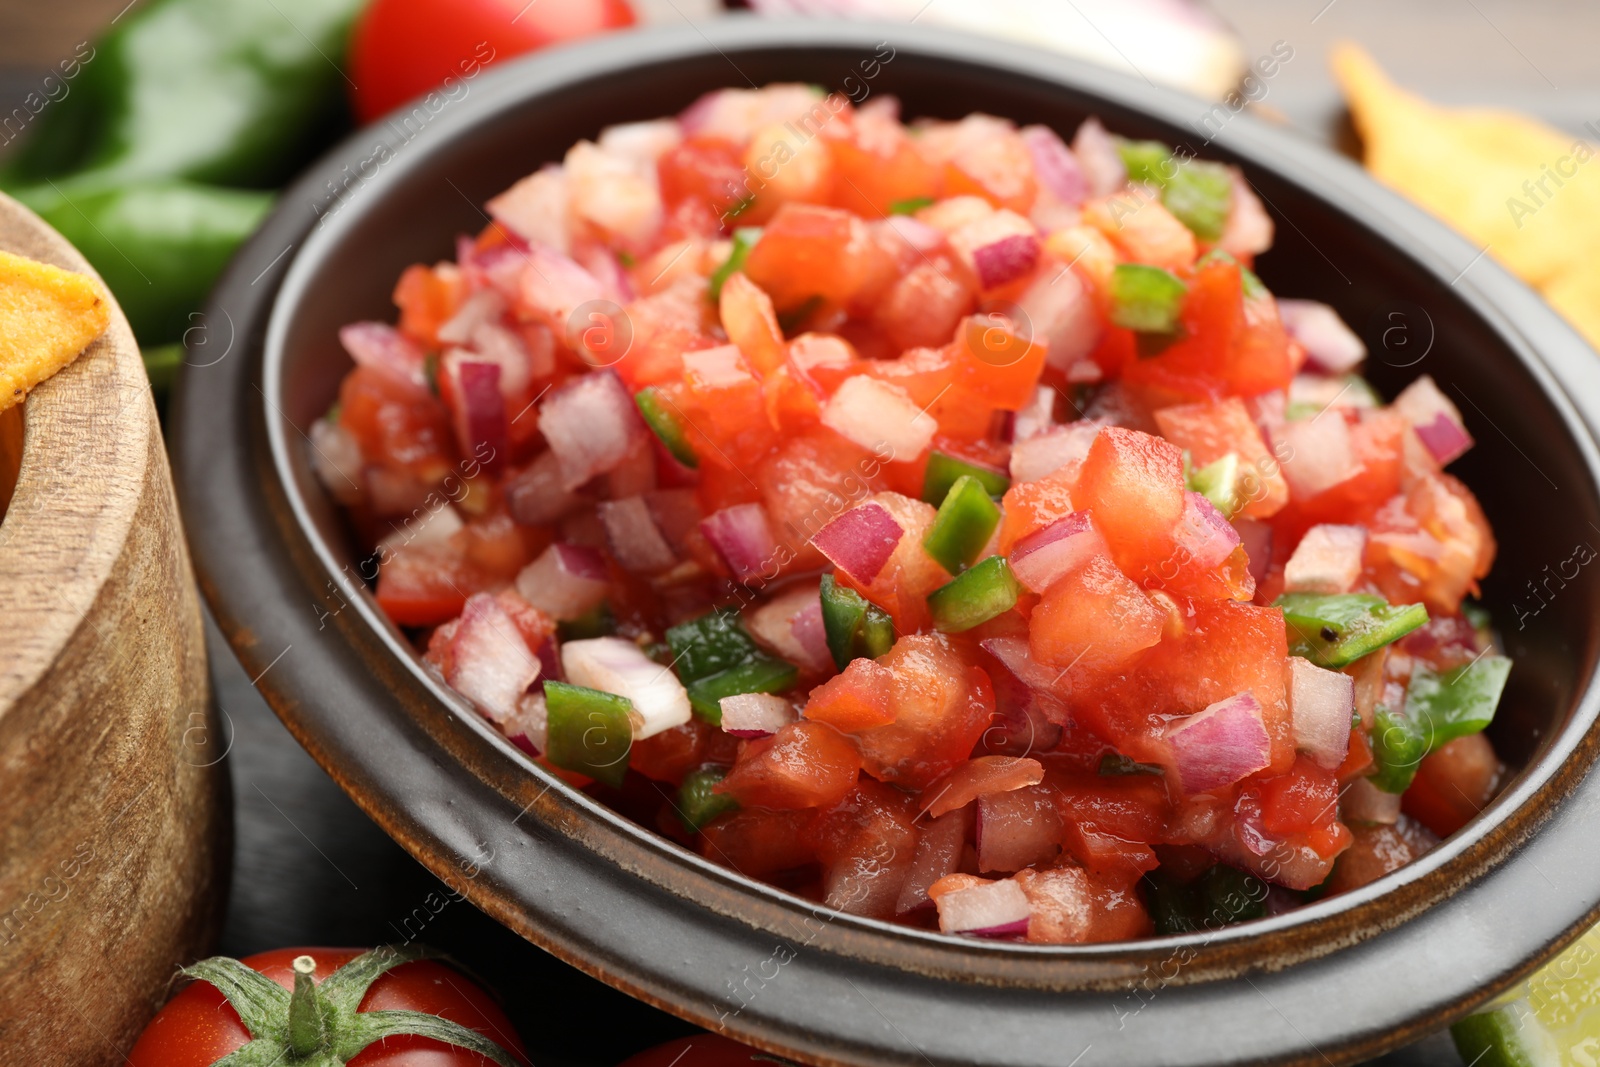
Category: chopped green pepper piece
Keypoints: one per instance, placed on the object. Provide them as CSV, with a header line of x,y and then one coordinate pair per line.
x,y
1200,195
430,371
974,597
760,673
1509,1035
591,732
744,239
697,804
791,320
1173,906
1146,299
1116,765
1301,410
714,642
854,627
598,622
1334,630
964,524
1459,701
1147,162
944,471
659,416
910,206
1218,482
1398,745
1229,895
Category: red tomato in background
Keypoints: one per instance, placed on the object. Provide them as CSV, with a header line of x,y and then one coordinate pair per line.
x,y
198,1027
701,1050
403,48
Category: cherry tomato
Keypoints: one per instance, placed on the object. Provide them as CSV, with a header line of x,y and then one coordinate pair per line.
x,y
403,48
198,1027
701,1050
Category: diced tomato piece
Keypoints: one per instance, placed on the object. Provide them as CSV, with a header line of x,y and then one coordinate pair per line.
x,y
1031,506
723,407
1210,431
1432,545
396,423
803,765
1095,616
1070,905
663,326
866,844
1376,850
976,777
425,586
876,164
1453,783
427,297
706,170
1133,483
1301,801
996,364
1018,828
941,705
857,699
751,324
759,842
1111,822
924,307
991,161
901,588
808,482
809,251
671,754
1143,229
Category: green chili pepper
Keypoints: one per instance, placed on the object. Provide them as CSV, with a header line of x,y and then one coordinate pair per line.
x,y
1146,299
1229,895
590,732
1200,195
697,804
1147,162
598,622
943,471
975,596
660,417
1218,482
964,524
1398,745
1116,765
1457,702
744,239
1334,630
710,644
760,673
911,206
1173,906
855,627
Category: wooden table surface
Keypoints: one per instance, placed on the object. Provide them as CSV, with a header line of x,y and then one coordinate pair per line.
x,y
310,869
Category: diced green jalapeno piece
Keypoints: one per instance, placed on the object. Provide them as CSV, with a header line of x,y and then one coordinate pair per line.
x,y
1218,482
1334,630
965,522
744,239
1200,195
714,642
1509,1035
1398,745
591,732
1147,162
661,418
1146,299
1229,895
854,627
975,596
760,673
1457,702
910,206
1174,905
944,471
598,622
697,804
1116,765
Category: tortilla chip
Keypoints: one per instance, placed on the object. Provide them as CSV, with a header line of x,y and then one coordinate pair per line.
x,y
47,317
1527,191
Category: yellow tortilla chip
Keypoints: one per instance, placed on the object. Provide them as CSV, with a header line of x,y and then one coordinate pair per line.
x,y
1527,191
47,317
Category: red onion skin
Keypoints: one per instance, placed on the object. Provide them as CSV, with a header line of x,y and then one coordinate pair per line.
x,y
1006,930
482,411
1048,555
1055,166
1223,744
1006,260
1204,533
381,347
1444,439
743,537
860,541
581,561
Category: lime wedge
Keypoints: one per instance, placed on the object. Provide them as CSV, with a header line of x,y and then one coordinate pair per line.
x,y
1551,1020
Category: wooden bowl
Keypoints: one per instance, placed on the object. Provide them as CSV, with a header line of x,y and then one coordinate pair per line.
x,y
114,813
1341,979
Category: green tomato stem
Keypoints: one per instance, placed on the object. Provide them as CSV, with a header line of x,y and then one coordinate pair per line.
x,y
307,1018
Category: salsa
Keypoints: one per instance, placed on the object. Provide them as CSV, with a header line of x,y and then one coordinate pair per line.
x,y
938,520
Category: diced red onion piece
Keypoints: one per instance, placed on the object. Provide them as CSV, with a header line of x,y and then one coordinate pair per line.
x,y
1362,801
535,208
1322,391
743,538
918,235
1017,657
490,664
1054,165
565,582
483,306
480,407
1248,231
636,474
874,414
1329,343
1435,418
1203,534
1317,453
1046,556
1012,832
616,665
383,348
608,270
536,495
590,423
1099,159
755,714
493,342
997,909
860,541
1220,745
551,286
1322,703
530,726
812,637
1256,537
549,653
694,118
434,527
1044,454
1327,560
336,459
1005,260
938,854
790,624
635,539
1062,313
395,492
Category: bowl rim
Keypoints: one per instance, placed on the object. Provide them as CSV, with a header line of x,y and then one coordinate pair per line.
x,y
1437,251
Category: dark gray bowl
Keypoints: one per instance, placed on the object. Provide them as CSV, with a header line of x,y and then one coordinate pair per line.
x,y
1342,979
